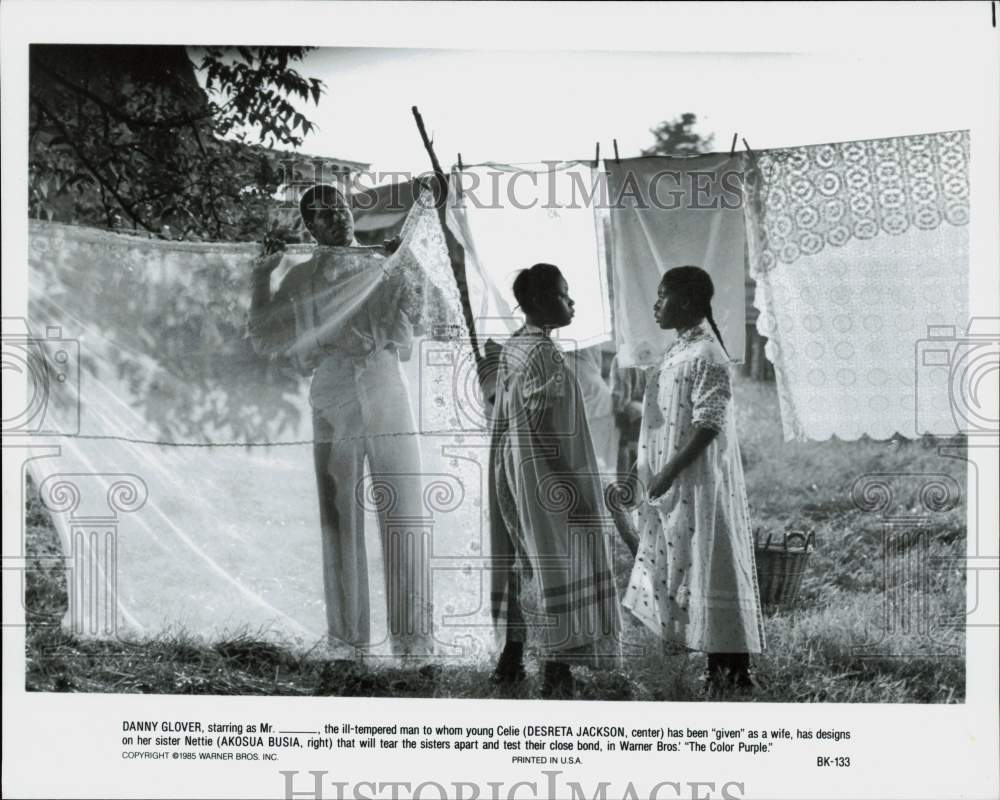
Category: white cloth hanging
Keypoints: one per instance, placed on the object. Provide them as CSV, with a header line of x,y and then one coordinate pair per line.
x,y
586,366
183,487
510,217
671,212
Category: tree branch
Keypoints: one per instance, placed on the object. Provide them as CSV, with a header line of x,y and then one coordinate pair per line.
x,y
172,122
126,207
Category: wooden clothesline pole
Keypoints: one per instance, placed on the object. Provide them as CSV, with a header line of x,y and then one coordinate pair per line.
x,y
428,144
456,255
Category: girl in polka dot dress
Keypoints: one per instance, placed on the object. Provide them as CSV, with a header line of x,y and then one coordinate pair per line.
x,y
694,582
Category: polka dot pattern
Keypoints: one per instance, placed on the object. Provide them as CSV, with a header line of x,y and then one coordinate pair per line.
x,y
694,581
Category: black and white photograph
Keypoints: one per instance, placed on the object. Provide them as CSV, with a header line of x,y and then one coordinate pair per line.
x,y
378,352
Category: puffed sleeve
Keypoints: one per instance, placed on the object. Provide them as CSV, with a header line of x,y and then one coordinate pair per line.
x,y
711,392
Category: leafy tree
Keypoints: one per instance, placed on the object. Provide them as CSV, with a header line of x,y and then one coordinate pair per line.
x,y
127,137
124,135
678,137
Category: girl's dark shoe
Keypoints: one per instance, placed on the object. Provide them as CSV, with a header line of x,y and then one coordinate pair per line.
x,y
739,671
728,671
557,683
744,681
714,683
510,666
717,676
718,667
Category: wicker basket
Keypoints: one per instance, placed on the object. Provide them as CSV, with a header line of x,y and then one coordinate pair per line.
x,y
780,565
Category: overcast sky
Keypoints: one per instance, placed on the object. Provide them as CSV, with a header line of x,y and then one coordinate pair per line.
x,y
518,107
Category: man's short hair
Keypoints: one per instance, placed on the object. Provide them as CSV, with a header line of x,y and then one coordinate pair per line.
x,y
321,197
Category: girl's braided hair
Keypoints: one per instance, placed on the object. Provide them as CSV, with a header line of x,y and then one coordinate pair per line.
x,y
696,285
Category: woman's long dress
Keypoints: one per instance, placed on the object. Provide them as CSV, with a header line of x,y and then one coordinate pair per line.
x,y
694,582
549,526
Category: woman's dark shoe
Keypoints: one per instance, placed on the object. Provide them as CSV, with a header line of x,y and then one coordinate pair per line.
x,y
728,671
558,683
714,683
716,678
743,680
510,666
739,671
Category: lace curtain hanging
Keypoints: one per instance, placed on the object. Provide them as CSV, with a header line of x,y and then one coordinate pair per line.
x,y
860,253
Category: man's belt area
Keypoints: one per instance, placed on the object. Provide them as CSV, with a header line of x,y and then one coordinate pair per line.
x,y
357,348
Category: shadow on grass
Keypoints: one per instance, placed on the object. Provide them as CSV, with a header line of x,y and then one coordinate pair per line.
x,y
813,655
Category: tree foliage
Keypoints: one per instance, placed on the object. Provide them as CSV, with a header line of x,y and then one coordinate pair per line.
x,y
124,136
677,137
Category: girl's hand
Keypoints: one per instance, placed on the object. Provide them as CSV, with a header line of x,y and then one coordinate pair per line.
x,y
634,410
661,483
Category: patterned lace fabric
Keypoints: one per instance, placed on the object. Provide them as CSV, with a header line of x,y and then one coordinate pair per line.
x,y
859,250
825,196
427,280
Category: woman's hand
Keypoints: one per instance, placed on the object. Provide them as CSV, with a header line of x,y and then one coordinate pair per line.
x,y
695,446
662,482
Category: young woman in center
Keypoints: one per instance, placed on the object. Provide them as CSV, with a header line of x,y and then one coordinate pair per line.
x,y
550,531
694,582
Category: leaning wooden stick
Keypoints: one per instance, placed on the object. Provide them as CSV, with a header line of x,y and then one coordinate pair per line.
x,y
455,252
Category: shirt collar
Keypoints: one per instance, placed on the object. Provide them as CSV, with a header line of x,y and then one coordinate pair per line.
x,y
693,333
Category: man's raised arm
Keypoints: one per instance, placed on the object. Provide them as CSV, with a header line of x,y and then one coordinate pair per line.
x,y
271,322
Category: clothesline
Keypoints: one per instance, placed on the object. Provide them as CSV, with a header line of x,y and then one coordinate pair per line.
x,y
298,443
835,237
758,151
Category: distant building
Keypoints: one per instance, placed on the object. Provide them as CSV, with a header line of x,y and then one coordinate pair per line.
x,y
300,171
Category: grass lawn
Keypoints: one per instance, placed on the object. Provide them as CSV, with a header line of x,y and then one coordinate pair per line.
x,y
847,639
